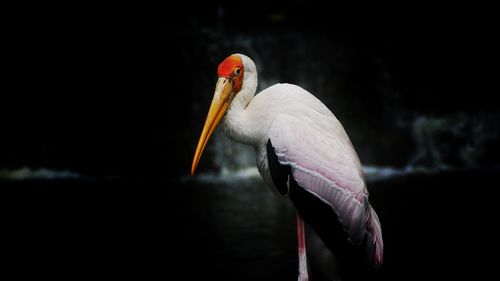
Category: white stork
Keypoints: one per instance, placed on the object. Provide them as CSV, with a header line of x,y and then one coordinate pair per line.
x,y
303,152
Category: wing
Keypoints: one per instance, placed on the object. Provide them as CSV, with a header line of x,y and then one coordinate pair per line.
x,y
325,182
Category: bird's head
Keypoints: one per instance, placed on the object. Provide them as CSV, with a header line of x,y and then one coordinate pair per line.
x,y
231,73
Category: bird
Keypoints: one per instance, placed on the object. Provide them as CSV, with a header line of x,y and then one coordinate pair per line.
x,y
304,154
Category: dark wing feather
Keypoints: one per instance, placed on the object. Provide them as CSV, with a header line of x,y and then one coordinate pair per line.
x,y
353,258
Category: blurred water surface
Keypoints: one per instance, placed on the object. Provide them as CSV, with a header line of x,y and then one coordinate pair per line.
x,y
434,224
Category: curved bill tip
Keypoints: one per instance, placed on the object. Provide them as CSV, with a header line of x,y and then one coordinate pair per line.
x,y
218,108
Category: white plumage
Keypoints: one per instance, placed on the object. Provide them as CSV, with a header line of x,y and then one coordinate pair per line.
x,y
307,138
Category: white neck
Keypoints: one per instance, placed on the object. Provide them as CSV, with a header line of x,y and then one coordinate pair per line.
x,y
236,125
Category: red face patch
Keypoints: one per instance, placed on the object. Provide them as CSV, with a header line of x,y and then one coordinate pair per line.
x,y
232,68
227,67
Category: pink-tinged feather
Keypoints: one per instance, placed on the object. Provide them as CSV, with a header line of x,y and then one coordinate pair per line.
x,y
324,162
375,229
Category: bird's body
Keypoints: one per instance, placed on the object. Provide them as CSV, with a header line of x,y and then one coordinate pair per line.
x,y
303,152
302,118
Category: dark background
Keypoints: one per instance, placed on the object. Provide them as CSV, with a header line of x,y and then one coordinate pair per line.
x,y
119,95
120,92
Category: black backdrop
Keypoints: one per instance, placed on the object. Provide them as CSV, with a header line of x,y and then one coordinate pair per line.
x,y
122,93
113,91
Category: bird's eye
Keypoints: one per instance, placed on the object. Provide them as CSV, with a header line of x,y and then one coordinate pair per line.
x,y
237,71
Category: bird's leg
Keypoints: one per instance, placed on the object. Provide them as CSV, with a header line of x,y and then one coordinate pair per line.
x,y
303,276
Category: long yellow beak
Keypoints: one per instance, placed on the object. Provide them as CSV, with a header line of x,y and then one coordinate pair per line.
x,y
219,106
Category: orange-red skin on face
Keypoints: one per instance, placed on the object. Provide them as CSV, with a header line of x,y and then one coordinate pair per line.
x,y
226,70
